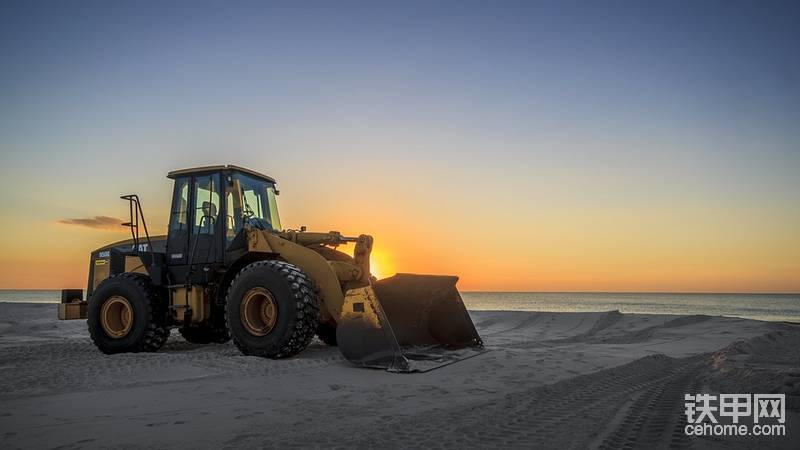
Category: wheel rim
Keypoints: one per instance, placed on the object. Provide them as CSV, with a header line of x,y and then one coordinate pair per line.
x,y
116,316
259,311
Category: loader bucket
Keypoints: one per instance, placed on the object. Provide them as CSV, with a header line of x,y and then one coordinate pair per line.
x,y
407,323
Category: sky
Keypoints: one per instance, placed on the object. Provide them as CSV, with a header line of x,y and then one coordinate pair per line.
x,y
523,146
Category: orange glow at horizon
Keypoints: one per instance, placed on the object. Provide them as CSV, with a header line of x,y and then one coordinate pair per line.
x,y
491,240
492,264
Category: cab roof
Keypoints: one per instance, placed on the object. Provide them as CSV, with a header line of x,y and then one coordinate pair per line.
x,y
218,168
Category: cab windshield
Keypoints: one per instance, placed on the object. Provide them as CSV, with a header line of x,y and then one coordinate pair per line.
x,y
251,201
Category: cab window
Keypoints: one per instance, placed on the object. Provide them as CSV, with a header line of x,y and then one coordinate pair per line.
x,y
178,220
251,201
233,220
206,199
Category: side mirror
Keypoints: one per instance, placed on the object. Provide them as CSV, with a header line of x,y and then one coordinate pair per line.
x,y
302,228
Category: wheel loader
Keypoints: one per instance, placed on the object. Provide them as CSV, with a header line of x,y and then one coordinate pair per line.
x,y
226,269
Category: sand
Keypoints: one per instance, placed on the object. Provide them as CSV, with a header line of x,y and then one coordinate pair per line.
x,y
554,380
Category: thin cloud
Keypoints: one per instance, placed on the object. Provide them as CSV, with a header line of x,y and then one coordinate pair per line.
x,y
96,223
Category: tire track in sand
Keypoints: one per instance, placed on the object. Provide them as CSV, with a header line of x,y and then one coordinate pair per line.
x,y
647,394
75,365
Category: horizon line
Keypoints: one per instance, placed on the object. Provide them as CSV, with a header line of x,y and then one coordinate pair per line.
x,y
546,292
633,292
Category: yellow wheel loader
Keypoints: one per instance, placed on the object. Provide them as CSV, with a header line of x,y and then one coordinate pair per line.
x,y
226,269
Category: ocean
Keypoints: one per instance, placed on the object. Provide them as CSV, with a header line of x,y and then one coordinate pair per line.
x,y
772,307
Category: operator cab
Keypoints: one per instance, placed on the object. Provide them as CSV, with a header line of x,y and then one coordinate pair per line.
x,y
210,206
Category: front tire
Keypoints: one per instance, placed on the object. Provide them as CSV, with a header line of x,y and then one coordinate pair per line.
x,y
125,314
272,309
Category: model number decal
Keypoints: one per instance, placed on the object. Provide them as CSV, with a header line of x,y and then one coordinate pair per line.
x,y
104,254
176,255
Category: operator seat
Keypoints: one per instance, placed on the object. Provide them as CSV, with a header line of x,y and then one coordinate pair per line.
x,y
209,218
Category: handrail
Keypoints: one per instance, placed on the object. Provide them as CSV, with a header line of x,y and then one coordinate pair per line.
x,y
135,211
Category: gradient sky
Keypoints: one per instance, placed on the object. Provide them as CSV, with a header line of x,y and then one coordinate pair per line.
x,y
588,146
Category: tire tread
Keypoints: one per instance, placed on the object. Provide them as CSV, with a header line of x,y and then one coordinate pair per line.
x,y
156,331
304,323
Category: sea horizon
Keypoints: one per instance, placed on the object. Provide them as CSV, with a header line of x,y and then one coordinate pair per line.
x,y
490,291
774,307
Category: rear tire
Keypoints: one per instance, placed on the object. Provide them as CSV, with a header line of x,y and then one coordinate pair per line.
x,y
326,332
272,309
125,314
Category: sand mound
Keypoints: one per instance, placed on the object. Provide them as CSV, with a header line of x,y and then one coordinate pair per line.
x,y
768,364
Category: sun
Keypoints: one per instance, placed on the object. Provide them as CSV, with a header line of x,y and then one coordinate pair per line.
x,y
380,266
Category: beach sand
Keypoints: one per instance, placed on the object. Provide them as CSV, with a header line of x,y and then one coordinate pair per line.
x,y
556,380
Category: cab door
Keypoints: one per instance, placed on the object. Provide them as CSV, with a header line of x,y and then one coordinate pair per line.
x,y
195,232
178,232
207,230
